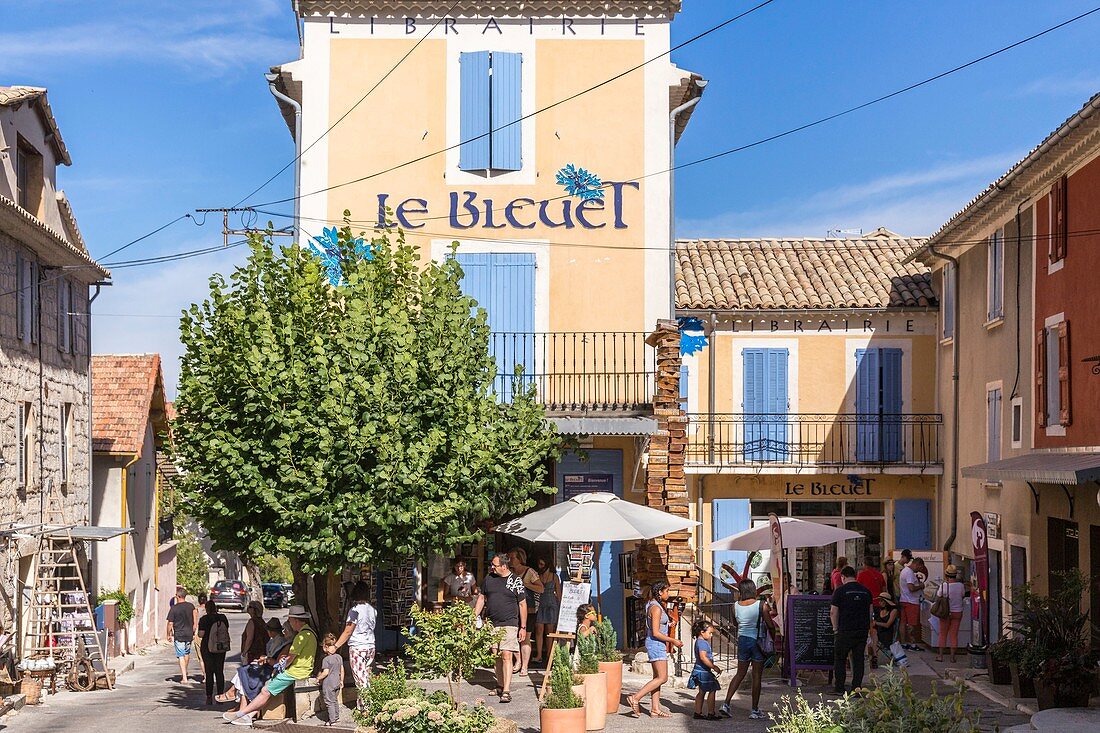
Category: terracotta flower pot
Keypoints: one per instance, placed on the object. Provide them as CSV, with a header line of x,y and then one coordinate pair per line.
x,y
595,700
568,720
614,672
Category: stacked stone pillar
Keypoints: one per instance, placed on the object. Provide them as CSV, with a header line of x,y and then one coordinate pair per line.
x,y
670,557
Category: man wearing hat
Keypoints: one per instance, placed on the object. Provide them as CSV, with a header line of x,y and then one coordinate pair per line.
x,y
298,665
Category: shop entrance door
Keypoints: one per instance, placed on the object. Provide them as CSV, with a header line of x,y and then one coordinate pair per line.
x,y
811,566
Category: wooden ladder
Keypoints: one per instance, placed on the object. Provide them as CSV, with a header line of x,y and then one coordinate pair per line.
x,y
61,616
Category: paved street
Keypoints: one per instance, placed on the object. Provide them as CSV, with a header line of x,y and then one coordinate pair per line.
x,y
149,699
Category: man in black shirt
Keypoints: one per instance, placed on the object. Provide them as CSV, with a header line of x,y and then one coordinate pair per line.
x,y
850,614
183,617
504,602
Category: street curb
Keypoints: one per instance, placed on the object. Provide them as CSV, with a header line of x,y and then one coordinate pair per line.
x,y
987,693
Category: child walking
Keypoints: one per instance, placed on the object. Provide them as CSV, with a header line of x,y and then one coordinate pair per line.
x,y
704,675
331,678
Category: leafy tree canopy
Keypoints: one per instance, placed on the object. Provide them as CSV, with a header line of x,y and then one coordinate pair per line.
x,y
353,423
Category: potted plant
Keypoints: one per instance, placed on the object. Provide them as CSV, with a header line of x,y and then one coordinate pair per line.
x,y
595,683
997,662
1051,642
611,663
448,643
563,710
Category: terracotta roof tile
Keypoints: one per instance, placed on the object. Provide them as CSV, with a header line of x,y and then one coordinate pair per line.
x,y
801,274
127,392
15,95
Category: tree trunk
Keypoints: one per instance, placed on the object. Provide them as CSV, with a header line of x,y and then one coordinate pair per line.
x,y
320,594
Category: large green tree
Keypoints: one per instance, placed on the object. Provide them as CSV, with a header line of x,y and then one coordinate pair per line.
x,y
352,422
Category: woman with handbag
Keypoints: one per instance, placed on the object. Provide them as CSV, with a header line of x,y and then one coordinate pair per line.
x,y
885,622
948,608
754,626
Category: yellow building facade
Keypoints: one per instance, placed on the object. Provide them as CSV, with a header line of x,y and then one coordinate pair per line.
x,y
814,395
536,138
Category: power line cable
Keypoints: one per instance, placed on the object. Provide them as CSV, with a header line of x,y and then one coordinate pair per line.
x,y
605,82
352,108
769,138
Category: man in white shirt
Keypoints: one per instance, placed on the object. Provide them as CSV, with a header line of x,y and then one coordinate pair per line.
x,y
912,589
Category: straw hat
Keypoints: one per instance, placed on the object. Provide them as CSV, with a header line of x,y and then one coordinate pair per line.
x,y
951,572
885,595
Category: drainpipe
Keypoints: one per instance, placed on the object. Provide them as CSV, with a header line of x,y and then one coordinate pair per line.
x,y
124,509
955,343
672,116
712,359
271,79
92,546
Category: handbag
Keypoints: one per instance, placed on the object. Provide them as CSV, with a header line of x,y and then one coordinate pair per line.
x,y
941,607
898,654
764,640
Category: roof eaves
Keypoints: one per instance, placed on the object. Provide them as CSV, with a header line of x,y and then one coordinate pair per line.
x,y
27,228
13,96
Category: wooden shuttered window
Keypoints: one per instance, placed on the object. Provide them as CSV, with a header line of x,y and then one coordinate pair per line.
x,y
1061,331
1059,220
1040,378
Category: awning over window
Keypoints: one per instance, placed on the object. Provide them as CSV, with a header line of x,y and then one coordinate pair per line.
x,y
605,425
1044,468
81,533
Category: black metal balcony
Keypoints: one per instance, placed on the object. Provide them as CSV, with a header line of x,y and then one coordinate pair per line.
x,y
578,371
810,440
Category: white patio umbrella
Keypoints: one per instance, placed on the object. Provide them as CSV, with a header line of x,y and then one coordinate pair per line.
x,y
595,517
796,533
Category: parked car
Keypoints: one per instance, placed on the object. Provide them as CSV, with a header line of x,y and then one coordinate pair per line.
x,y
231,594
275,595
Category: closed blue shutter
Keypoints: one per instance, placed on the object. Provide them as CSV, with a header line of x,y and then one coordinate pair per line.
x,y
868,388
506,97
753,405
473,153
913,524
892,448
504,285
684,376
728,516
776,366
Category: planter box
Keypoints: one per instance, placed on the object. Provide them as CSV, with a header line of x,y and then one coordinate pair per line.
x,y
1049,696
1022,685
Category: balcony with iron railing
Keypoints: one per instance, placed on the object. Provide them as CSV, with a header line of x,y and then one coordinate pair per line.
x,y
794,441
576,372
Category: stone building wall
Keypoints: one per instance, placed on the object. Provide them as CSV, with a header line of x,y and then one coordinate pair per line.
x,y
47,378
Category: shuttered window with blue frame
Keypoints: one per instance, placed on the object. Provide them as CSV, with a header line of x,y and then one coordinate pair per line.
x,y
878,405
490,102
766,405
503,283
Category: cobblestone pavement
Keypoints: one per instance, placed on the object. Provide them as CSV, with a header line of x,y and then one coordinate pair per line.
x,y
150,700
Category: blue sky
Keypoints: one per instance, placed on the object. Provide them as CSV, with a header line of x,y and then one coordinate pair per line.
x,y
165,109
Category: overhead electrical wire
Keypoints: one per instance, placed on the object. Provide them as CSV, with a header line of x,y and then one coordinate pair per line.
x,y
529,115
749,145
352,108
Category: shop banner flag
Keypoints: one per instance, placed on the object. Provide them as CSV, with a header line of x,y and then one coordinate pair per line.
x,y
981,569
779,578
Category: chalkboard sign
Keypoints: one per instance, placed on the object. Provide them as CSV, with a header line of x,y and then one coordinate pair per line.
x,y
809,634
573,596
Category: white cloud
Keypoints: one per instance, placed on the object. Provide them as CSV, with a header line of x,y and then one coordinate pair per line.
x,y
210,38
140,312
1081,86
912,203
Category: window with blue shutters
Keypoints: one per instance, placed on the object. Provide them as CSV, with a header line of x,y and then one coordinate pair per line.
x,y
878,405
765,405
490,102
685,375
504,285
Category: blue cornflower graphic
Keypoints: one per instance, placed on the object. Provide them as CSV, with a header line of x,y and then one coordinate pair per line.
x,y
327,248
692,338
580,183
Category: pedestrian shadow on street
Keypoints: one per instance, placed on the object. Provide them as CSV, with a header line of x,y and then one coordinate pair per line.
x,y
189,697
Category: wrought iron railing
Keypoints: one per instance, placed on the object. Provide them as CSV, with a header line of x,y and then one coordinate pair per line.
x,y
578,371
715,603
754,439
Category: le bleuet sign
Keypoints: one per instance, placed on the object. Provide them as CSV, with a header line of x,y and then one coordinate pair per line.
x,y
474,210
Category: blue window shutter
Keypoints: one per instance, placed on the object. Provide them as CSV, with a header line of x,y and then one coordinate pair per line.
x,y
754,403
868,388
473,154
684,377
506,97
477,278
728,516
913,524
777,404
891,435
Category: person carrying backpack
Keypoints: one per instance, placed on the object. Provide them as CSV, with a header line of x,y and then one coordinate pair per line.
x,y
214,644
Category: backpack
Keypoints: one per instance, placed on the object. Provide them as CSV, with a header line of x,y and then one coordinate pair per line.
x,y
219,637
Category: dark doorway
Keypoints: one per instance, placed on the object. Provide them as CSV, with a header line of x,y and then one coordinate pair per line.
x,y
1094,581
1063,550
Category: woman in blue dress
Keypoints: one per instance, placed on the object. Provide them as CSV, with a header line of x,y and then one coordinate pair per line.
x,y
657,643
